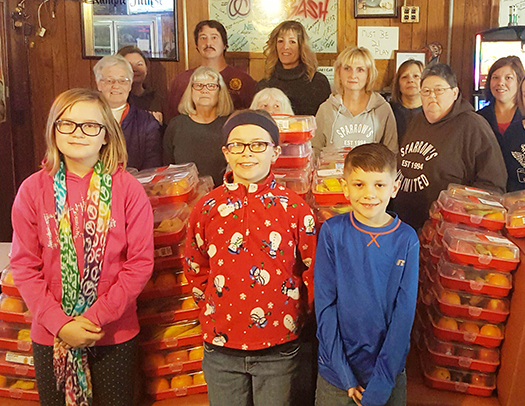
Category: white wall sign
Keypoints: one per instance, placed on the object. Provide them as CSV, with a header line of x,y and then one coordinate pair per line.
x,y
504,11
249,22
381,41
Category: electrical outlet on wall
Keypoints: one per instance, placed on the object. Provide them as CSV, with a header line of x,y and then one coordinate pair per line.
x,y
410,14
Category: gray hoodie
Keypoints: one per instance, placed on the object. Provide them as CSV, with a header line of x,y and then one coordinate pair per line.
x,y
337,127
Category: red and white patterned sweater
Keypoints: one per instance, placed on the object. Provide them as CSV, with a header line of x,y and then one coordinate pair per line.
x,y
248,252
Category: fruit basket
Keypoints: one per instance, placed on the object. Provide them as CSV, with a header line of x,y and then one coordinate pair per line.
x,y
169,184
17,388
176,385
470,209
173,361
295,129
167,310
456,380
472,280
167,283
13,309
7,284
473,357
294,156
481,250
298,180
456,189
516,220
171,335
326,187
469,306
170,222
15,337
464,331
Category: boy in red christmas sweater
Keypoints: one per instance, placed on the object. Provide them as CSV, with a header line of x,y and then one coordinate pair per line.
x,y
249,246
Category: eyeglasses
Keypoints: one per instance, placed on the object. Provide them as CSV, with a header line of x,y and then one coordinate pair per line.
x,y
256,147
210,86
438,91
69,127
112,81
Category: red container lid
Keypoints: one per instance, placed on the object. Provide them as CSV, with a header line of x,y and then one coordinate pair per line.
x,y
16,364
19,388
173,361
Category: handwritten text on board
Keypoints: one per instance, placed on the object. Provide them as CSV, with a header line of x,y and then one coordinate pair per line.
x,y
381,41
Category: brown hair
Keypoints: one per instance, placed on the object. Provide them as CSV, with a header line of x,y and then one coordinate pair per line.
x,y
396,91
515,64
374,157
112,155
349,56
308,57
132,49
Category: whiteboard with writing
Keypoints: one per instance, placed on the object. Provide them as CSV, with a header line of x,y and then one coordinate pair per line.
x,y
380,41
504,11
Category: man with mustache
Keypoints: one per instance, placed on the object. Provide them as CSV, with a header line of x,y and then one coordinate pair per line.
x,y
211,41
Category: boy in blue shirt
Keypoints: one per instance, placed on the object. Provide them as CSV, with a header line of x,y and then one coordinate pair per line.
x,y
366,278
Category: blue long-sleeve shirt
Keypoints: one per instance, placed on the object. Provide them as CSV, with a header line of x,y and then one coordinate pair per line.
x,y
365,297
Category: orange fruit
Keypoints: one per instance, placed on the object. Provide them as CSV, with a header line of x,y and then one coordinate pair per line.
x,y
181,279
450,298
490,330
188,303
488,355
12,304
496,305
158,385
154,360
448,323
198,378
440,373
181,381
8,280
498,216
469,328
502,252
166,281
517,221
178,188
24,335
196,353
3,381
177,356
477,380
497,279
23,384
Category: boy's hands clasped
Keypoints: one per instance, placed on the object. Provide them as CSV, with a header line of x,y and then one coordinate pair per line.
x,y
79,333
356,394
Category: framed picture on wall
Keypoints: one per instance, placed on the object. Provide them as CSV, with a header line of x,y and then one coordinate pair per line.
x,y
402,56
375,8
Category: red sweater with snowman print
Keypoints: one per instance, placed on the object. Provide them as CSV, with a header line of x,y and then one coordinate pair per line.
x,y
249,252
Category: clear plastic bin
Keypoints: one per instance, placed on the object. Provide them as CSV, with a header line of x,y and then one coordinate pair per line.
x,y
294,156
173,361
295,129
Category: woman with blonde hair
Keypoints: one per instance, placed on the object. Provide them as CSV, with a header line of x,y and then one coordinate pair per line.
x,y
82,252
292,67
273,100
355,114
204,107
406,99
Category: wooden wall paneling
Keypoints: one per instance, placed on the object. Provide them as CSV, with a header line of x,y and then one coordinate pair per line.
x,y
437,25
77,68
458,40
419,30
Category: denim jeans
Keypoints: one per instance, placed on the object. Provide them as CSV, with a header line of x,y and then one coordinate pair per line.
x,y
263,380
327,394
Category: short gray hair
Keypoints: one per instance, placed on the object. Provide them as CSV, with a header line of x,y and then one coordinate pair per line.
x,y
272,93
112,60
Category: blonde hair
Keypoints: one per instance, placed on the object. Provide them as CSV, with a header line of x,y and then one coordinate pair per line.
x,y
112,155
224,104
112,60
272,93
396,90
348,57
308,57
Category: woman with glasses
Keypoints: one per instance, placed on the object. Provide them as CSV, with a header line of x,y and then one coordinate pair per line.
x,y
291,66
354,114
501,90
114,77
406,97
82,252
195,134
143,96
448,143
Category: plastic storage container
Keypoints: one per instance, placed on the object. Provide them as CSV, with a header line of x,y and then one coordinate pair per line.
x,y
17,388
173,361
470,209
16,364
481,250
472,280
468,306
170,222
295,129
15,337
326,187
167,310
435,212
173,386
516,220
472,191
7,284
514,199
294,156
298,180
172,335
14,310
169,184
165,284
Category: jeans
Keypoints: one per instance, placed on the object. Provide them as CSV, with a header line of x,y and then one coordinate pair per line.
x,y
330,395
263,380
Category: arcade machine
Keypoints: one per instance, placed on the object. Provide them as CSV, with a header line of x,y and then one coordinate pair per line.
x,y
490,46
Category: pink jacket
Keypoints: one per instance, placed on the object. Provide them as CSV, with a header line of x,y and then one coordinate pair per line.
x,y
128,259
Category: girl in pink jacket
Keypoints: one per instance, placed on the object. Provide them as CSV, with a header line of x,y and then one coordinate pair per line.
x,y
82,252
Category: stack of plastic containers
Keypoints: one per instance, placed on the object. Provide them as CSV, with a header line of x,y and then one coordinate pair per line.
x,y
465,281
17,374
171,337
293,168
328,198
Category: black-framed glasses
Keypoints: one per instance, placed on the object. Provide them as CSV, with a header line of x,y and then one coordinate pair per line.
x,y
438,91
256,147
69,127
210,86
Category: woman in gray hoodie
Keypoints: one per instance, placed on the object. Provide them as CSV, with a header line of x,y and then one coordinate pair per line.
x,y
355,114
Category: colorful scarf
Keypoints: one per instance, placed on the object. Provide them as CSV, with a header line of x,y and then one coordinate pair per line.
x,y
71,366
